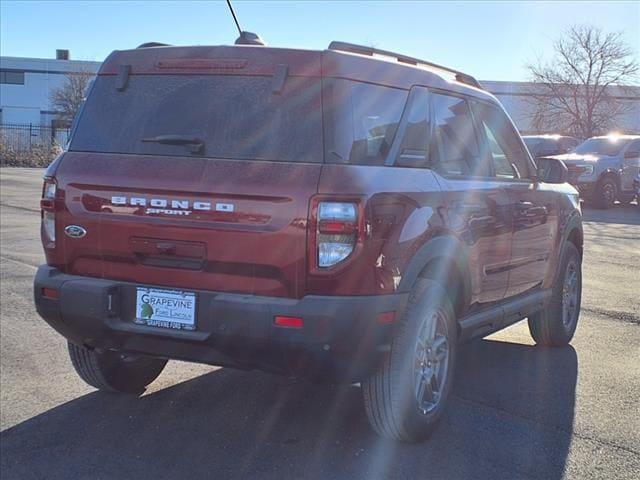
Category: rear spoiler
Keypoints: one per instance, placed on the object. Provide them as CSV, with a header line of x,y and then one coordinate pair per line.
x,y
370,51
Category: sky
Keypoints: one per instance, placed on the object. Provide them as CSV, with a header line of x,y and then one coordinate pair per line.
x,y
489,40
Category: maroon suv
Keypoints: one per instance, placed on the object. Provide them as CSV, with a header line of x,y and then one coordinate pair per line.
x,y
348,214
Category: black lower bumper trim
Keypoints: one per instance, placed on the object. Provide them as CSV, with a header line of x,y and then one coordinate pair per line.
x,y
341,337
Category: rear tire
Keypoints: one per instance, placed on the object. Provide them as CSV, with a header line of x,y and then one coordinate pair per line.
x,y
606,193
626,199
556,324
406,396
113,372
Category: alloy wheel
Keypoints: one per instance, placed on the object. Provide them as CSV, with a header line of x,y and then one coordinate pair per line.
x,y
570,295
431,362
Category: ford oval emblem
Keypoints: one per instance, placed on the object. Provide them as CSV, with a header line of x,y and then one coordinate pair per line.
x,y
75,231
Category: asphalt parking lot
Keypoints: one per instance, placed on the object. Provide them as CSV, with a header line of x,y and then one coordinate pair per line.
x,y
518,411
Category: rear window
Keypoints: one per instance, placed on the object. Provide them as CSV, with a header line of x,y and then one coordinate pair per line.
x,y
361,121
609,146
236,117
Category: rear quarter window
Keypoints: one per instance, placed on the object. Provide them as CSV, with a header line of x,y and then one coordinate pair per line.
x,y
361,121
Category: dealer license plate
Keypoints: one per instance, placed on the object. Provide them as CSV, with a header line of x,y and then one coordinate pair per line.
x,y
166,308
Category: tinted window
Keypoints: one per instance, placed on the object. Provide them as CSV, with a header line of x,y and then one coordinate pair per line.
x,y
532,143
361,121
634,147
454,146
550,147
610,146
414,130
237,117
12,77
568,144
503,146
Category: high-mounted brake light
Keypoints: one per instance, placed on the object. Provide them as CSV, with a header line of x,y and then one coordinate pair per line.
x,y
47,206
336,232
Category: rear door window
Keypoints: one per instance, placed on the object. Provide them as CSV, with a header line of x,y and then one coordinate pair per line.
x,y
454,145
361,121
502,145
237,117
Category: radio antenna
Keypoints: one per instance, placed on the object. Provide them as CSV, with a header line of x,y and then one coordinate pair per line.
x,y
245,38
235,19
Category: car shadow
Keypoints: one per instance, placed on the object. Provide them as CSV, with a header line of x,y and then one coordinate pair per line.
x,y
511,416
622,214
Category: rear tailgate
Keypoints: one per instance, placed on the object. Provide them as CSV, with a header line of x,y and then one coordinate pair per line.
x,y
231,217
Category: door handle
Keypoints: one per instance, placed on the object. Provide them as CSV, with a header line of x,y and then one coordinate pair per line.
x,y
523,205
469,208
526,209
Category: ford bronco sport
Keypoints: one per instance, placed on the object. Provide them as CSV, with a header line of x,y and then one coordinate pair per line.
x,y
343,215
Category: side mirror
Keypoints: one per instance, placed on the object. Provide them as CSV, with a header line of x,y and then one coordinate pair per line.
x,y
551,170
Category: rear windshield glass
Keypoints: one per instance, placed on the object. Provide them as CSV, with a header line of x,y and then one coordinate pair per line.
x,y
610,146
236,117
361,121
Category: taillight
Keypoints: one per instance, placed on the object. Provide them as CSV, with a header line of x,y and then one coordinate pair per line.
x,y
48,209
336,230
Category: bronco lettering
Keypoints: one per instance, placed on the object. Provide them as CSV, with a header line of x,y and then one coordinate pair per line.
x,y
160,204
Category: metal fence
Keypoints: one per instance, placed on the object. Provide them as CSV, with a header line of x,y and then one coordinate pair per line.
x,y
25,137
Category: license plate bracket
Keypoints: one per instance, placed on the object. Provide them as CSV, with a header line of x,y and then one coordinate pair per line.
x,y
166,308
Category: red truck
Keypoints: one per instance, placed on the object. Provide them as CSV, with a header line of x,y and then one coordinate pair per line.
x,y
347,215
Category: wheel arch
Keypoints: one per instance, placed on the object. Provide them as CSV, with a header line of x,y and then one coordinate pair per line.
x,y
443,259
609,173
572,232
576,236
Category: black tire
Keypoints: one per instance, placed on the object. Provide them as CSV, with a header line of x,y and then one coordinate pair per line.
x,y
391,393
113,372
626,199
554,326
606,193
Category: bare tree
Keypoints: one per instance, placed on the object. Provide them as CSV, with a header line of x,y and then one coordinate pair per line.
x,y
572,93
66,99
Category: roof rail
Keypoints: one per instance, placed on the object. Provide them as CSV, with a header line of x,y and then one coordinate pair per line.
x,y
370,51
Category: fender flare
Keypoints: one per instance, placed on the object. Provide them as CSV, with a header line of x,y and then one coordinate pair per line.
x,y
609,172
574,222
445,248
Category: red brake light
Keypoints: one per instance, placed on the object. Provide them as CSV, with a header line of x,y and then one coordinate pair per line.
x,y
48,207
46,204
336,228
288,322
50,293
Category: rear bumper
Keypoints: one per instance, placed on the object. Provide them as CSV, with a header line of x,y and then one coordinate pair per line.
x,y
340,339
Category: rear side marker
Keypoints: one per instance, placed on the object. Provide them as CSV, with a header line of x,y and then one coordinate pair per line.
x,y
51,293
288,322
386,318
